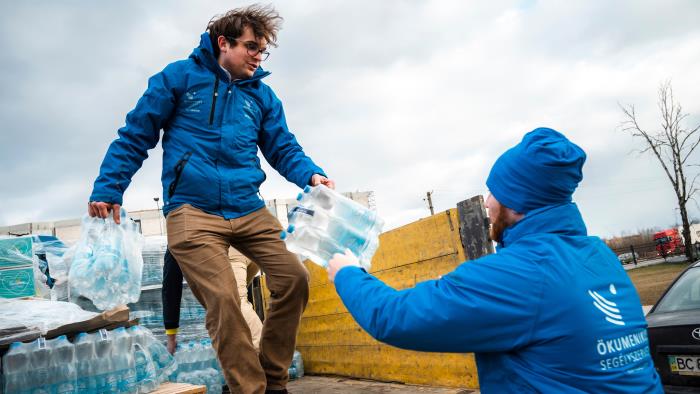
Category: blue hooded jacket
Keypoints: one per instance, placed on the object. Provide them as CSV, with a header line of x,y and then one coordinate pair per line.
x,y
552,312
212,130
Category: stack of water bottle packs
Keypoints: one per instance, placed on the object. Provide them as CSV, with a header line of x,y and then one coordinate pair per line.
x,y
153,260
118,361
197,364
107,264
325,222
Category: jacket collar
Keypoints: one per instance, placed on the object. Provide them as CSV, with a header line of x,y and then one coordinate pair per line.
x,y
563,219
204,54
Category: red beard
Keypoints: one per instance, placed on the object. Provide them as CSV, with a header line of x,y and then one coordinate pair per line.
x,y
498,225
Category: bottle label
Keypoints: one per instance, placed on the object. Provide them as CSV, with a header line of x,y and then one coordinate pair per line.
x,y
41,343
302,210
103,334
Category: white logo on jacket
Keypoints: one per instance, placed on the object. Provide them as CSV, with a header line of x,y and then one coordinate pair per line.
x,y
192,102
609,308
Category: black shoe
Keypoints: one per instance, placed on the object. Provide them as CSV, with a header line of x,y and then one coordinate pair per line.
x,y
281,391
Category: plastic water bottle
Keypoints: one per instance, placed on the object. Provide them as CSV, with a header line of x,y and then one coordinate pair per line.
x,y
181,355
211,379
105,376
195,355
62,366
124,365
86,358
326,222
298,363
40,378
163,361
146,378
293,374
214,361
342,207
311,243
16,367
209,354
340,231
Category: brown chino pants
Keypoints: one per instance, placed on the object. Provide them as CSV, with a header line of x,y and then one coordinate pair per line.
x,y
199,242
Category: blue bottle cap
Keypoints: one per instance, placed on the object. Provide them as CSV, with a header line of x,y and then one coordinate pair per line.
x,y
291,228
307,189
283,235
81,335
299,196
62,338
15,345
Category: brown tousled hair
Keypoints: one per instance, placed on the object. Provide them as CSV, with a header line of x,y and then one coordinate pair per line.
x,y
265,22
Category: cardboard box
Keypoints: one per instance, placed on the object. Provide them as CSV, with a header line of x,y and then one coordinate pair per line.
x,y
17,282
16,252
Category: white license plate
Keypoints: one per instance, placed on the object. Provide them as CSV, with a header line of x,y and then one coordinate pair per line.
x,y
685,365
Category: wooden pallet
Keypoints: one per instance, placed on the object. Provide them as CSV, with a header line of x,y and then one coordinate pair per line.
x,y
179,388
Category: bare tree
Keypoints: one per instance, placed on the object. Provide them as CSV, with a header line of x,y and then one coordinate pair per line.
x,y
672,145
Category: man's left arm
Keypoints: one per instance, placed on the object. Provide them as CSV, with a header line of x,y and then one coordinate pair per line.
x,y
281,149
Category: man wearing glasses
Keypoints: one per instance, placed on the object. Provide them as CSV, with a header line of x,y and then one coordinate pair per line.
x,y
215,112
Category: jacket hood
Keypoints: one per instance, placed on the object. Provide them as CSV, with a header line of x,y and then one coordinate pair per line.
x,y
204,54
563,219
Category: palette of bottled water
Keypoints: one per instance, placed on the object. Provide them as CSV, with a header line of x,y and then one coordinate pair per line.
x,y
107,264
118,361
197,364
326,222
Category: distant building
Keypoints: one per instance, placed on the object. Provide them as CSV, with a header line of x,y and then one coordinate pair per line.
x,y
152,222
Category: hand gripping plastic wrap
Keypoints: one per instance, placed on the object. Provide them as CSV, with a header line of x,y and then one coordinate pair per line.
x,y
325,222
107,264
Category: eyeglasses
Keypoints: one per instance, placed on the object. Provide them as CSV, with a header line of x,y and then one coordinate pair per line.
x,y
252,48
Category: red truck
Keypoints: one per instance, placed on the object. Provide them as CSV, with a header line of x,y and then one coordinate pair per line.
x,y
669,242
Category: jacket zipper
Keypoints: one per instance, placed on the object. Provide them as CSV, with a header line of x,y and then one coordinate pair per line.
x,y
213,101
178,171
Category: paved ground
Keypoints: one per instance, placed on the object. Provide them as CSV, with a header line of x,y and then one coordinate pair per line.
x,y
342,385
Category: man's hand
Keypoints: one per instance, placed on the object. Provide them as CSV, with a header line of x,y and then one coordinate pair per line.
x,y
318,179
101,210
340,261
172,343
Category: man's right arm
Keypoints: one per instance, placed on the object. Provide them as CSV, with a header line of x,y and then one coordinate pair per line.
x,y
140,133
171,293
479,307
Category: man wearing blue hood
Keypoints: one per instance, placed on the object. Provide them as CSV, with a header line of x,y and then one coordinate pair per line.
x,y
215,112
553,311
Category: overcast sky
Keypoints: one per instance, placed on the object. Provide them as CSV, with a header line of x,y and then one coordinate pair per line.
x,y
397,97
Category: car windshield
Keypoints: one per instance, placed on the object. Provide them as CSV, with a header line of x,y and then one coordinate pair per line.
x,y
684,295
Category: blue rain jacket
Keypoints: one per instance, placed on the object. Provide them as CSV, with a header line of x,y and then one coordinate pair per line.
x,y
552,312
212,128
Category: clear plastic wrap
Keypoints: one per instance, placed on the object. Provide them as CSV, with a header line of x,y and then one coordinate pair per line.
x,y
153,259
41,315
107,264
325,222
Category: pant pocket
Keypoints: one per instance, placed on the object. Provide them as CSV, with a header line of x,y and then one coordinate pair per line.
x,y
176,224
